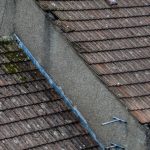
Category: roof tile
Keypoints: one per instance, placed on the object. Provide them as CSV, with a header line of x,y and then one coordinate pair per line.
x,y
32,114
104,24
102,14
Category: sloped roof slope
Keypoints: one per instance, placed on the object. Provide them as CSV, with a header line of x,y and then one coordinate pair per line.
x,y
115,42
32,114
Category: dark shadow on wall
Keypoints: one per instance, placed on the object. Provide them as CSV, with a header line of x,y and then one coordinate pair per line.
x,y
45,60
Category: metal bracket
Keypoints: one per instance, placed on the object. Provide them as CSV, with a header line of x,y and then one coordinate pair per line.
x,y
115,119
115,146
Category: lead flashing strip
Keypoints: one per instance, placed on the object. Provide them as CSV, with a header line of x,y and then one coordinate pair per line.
x,y
59,91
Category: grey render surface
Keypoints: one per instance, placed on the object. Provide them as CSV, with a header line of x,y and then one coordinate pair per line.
x,y
60,60
7,12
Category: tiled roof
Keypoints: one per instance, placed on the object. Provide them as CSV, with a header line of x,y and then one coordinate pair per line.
x,y
32,114
114,41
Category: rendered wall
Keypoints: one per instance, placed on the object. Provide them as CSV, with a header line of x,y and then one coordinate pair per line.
x,y
78,82
7,14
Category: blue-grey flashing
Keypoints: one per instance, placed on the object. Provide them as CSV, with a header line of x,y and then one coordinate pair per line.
x,y
58,90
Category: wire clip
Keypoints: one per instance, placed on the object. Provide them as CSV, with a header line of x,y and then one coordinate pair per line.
x,y
115,146
115,119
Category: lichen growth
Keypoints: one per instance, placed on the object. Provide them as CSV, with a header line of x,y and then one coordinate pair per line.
x,y
16,56
13,56
22,79
10,68
5,41
25,85
10,47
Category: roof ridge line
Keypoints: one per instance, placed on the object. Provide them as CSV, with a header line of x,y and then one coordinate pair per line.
x,y
23,82
117,61
28,105
48,128
90,30
25,71
112,39
25,93
108,8
136,16
129,84
73,136
39,116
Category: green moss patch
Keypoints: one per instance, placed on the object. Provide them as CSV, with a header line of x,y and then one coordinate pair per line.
x,y
22,79
16,56
10,68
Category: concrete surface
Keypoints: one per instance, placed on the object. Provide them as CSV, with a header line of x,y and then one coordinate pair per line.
x,y
78,82
7,14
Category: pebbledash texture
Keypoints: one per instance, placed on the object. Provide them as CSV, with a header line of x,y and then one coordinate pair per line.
x,y
32,114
